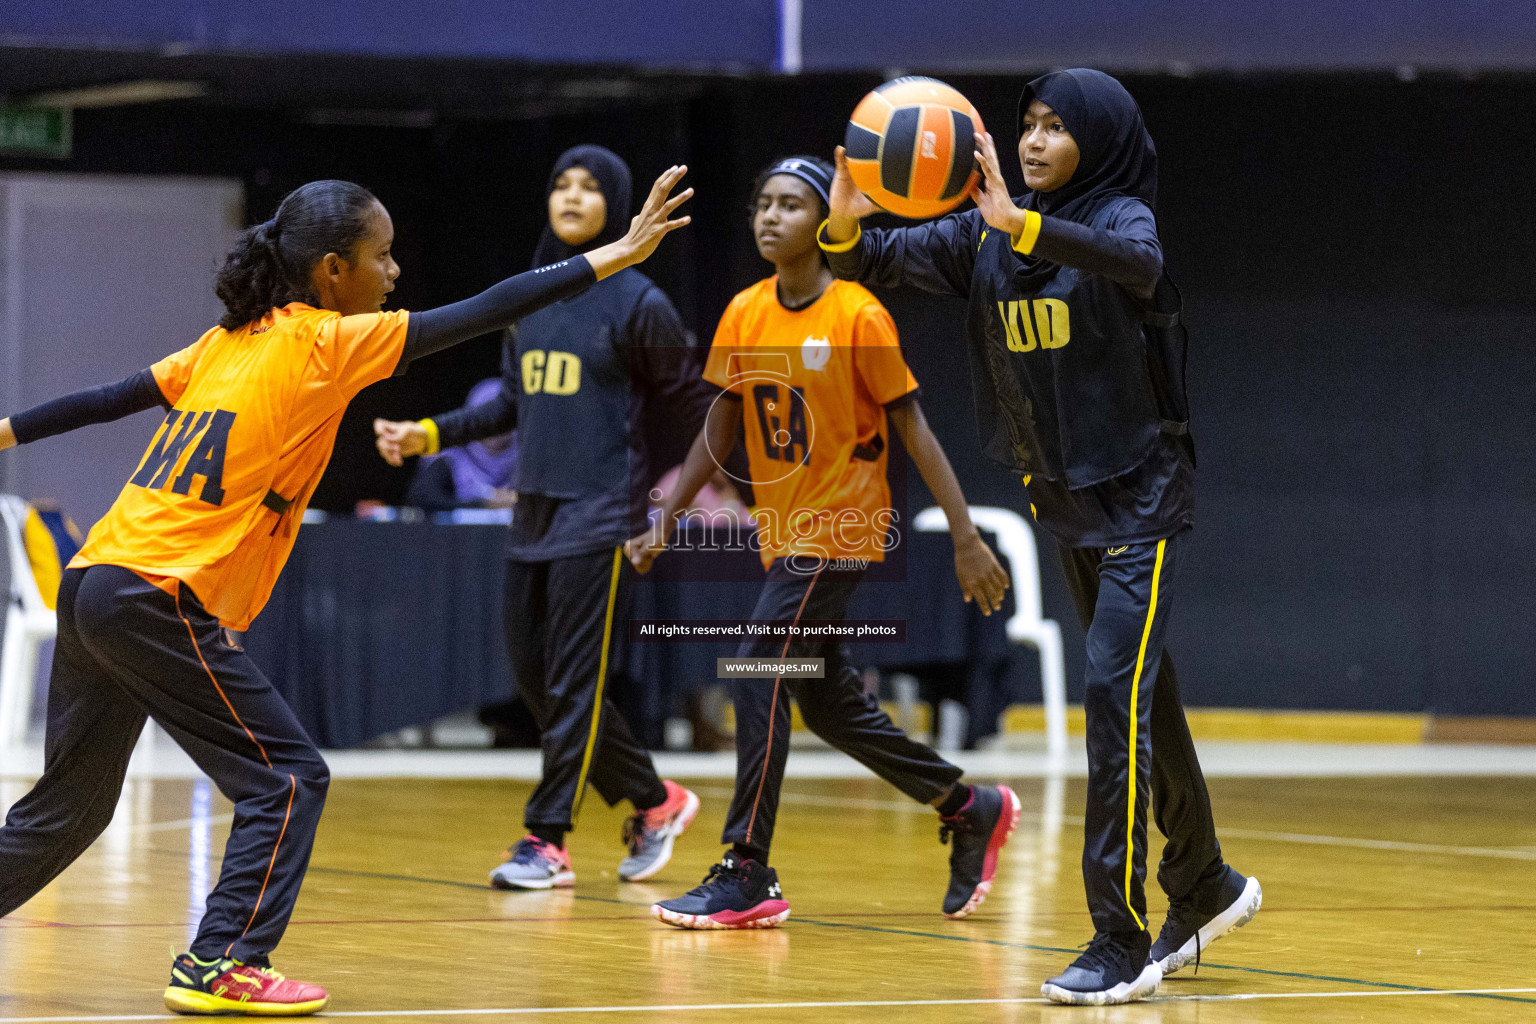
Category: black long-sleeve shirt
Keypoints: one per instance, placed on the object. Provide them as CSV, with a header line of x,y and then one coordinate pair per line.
x,y
939,256
428,331
102,404
1058,358
583,474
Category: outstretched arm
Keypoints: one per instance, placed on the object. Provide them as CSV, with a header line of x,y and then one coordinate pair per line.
x,y
938,256
708,453
981,578
398,440
94,405
501,305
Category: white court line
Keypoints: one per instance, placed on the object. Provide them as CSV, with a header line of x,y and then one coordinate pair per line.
x,y
1240,996
1224,759
1382,844
1525,853
1501,852
807,1005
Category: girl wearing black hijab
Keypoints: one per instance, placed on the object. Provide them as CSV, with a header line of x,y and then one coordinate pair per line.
x,y
1077,357
570,374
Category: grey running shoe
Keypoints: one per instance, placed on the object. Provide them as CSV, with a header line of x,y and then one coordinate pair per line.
x,y
534,864
650,833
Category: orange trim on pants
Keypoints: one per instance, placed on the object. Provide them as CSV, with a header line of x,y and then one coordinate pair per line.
x,y
293,787
773,709
293,784
193,636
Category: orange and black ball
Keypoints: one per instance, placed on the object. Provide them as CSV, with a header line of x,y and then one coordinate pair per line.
x,y
911,146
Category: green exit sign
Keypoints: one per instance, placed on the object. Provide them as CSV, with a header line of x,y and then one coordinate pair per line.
x,y
35,131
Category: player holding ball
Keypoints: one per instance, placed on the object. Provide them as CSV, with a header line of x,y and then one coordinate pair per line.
x,y
1077,357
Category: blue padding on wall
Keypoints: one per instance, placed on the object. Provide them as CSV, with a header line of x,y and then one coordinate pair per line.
x,y
655,33
1159,35
955,36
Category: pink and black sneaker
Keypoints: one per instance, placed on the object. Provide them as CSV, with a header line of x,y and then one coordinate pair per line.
x,y
980,830
735,894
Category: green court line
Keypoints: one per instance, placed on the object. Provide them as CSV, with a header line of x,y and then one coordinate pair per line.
x,y
1203,963
1299,975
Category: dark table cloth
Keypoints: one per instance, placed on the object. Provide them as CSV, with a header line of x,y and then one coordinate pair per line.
x,y
377,626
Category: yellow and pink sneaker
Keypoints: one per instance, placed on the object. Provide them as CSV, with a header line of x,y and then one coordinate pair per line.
x,y
227,986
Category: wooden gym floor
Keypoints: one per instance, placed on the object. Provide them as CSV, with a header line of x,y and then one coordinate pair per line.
x,y
1386,899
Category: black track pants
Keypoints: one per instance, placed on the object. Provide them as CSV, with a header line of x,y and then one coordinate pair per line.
x,y
1138,740
835,708
127,649
564,624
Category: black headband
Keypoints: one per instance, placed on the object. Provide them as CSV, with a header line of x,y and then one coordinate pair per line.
x,y
812,174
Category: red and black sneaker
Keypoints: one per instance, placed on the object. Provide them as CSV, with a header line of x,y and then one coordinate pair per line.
x,y
735,894
980,830
227,986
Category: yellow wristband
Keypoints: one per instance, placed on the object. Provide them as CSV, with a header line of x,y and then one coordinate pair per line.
x,y
821,238
1024,241
434,439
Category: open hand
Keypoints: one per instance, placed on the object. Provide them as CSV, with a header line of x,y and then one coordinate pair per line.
x,y
992,197
651,224
846,205
398,441
982,579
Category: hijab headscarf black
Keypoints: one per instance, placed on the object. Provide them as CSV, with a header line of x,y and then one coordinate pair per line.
x,y
1117,157
613,178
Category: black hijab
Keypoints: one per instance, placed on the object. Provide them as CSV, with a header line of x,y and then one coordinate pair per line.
x,y
1117,156
613,178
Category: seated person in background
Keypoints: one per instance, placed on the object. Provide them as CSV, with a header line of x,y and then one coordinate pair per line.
x,y
475,475
718,495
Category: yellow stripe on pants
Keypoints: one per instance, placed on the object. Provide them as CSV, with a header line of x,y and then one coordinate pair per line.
x,y
602,678
1130,800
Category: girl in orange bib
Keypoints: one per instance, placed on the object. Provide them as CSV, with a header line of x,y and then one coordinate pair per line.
x,y
812,368
193,545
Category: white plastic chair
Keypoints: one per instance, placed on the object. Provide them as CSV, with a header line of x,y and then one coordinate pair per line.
x,y
28,622
1027,626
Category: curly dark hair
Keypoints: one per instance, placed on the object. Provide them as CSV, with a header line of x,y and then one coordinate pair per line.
x,y
270,264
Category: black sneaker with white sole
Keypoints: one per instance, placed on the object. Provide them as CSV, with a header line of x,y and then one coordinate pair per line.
x,y
1212,911
735,894
1113,969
